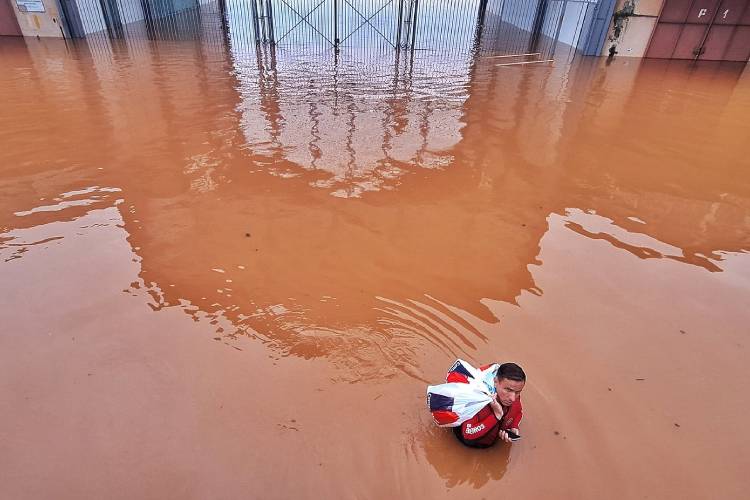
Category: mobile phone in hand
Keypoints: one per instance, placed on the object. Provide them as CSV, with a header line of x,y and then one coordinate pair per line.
x,y
513,436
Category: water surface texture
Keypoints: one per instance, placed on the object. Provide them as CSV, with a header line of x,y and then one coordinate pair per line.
x,y
231,275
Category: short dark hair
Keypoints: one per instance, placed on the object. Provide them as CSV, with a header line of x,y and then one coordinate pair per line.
x,y
511,371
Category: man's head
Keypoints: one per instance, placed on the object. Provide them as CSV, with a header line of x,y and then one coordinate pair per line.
x,y
509,381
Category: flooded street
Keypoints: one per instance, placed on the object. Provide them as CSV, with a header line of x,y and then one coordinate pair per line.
x,y
231,275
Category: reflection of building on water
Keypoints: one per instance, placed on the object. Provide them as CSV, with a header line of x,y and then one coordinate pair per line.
x,y
366,115
360,125
360,92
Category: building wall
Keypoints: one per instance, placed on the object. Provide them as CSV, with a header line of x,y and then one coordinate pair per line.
x,y
518,13
521,14
45,23
573,17
8,21
637,29
573,22
131,10
91,15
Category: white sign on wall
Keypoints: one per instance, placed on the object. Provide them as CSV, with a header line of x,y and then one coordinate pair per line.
x,y
30,5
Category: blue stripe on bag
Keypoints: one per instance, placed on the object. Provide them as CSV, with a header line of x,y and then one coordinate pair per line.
x,y
439,402
460,368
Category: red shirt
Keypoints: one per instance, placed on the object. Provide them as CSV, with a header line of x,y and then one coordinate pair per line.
x,y
483,429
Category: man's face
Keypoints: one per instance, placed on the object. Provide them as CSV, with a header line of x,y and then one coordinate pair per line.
x,y
508,390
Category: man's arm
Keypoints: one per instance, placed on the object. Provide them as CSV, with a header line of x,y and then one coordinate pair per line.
x,y
499,412
476,428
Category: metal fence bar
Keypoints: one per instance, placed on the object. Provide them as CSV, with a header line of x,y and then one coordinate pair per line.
x,y
398,23
520,63
304,19
414,24
269,17
367,21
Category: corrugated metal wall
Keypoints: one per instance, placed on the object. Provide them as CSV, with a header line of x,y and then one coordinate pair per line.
x,y
715,30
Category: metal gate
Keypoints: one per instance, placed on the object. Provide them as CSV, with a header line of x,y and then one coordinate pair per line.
x,y
714,30
435,25
419,24
449,27
331,23
429,25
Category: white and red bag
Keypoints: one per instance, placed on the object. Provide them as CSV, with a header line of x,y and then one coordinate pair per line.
x,y
466,391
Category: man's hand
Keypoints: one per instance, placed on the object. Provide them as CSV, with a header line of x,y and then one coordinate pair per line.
x,y
497,409
504,435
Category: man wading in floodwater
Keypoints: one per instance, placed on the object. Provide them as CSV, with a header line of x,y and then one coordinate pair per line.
x,y
503,413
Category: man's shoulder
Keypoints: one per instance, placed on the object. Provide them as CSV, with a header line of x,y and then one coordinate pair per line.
x,y
481,414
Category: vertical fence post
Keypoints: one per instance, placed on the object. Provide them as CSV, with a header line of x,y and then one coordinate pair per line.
x,y
263,21
222,9
70,11
482,12
536,28
414,25
399,26
336,24
148,17
256,26
111,18
407,23
559,26
480,23
224,20
269,20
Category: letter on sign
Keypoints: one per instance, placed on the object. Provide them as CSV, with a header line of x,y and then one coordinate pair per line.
x,y
725,13
702,13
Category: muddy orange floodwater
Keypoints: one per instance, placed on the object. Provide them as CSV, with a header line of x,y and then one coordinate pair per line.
x,y
220,281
